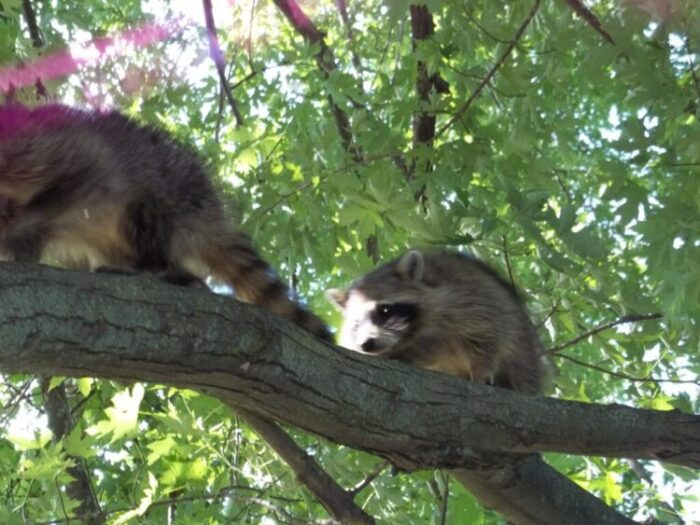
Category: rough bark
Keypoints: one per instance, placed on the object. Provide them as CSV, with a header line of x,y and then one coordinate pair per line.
x,y
59,322
527,491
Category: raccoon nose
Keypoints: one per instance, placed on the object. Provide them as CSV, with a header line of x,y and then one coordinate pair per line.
x,y
370,345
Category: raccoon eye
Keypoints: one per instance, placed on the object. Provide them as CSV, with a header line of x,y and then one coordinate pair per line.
x,y
394,311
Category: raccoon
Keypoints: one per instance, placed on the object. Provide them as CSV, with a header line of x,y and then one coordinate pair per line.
x,y
443,311
93,190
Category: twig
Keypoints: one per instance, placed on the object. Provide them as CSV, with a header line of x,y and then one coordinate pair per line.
x,y
342,7
444,497
18,395
518,35
482,28
550,313
508,266
628,377
693,73
665,507
589,16
218,58
225,492
283,197
362,485
632,318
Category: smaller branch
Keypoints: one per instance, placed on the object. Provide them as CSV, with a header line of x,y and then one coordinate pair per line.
x,y
632,318
218,58
444,497
283,197
343,12
664,505
546,318
628,377
338,502
508,266
326,63
226,492
518,35
61,423
249,42
362,485
482,28
563,187
18,395
691,65
30,19
590,18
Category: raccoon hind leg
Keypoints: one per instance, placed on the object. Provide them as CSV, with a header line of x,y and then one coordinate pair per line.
x,y
148,227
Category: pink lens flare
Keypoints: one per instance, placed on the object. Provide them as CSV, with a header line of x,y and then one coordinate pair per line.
x,y
65,61
16,119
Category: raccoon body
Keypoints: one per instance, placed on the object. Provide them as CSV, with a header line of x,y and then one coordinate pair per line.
x,y
446,312
89,190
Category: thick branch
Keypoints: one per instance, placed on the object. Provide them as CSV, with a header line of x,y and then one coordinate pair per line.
x,y
58,322
516,490
422,27
337,501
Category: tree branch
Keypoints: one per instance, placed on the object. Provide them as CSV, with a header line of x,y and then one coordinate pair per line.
x,y
61,423
422,28
628,377
218,58
631,318
590,18
326,63
60,322
509,49
338,502
515,490
30,19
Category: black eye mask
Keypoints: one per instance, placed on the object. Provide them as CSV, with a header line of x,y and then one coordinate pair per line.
x,y
394,314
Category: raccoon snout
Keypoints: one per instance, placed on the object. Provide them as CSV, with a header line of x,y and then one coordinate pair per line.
x,y
370,345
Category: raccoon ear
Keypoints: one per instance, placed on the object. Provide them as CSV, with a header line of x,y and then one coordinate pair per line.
x,y
337,297
411,266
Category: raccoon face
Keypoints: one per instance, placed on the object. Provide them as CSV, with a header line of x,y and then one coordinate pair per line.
x,y
372,327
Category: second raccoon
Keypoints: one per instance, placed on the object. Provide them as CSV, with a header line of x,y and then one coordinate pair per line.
x,y
443,311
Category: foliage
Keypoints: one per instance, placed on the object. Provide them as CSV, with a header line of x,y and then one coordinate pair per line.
x,y
576,172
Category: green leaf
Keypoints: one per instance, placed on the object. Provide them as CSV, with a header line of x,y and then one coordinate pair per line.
x,y
122,416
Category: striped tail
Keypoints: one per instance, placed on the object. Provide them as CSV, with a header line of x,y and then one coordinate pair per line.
x,y
255,282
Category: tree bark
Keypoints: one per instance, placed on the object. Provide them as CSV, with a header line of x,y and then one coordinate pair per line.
x,y
59,322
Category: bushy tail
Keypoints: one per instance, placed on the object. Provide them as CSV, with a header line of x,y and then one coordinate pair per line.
x,y
254,281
